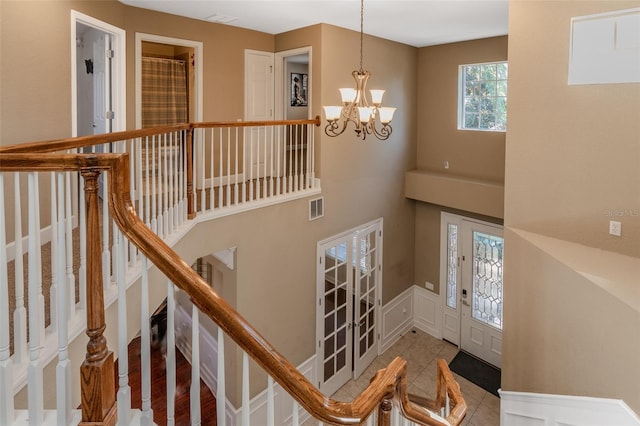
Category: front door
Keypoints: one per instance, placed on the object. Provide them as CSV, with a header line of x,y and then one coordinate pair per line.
x,y
481,331
471,272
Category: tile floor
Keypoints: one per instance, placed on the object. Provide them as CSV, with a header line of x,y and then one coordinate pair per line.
x,y
421,350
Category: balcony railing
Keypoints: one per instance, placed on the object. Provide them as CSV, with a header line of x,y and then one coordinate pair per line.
x,y
91,215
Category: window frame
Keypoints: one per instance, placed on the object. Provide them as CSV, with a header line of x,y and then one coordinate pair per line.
x,y
461,97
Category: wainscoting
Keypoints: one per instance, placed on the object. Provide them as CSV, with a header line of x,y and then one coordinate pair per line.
x,y
533,409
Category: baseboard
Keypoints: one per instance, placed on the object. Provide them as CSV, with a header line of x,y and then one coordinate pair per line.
x,y
523,408
427,308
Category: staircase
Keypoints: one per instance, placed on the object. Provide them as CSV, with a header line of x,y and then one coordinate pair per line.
x,y
147,210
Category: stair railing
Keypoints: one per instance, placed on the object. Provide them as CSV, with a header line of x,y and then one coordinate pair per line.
x,y
386,391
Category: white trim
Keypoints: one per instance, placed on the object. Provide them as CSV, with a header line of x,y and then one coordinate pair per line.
x,y
517,408
397,318
199,65
427,311
119,76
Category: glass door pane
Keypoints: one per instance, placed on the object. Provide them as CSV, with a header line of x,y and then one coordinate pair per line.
x,y
487,278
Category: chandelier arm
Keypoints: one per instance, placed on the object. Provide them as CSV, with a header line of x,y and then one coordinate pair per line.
x,y
382,134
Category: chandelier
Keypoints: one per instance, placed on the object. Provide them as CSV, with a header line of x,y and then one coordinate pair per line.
x,y
356,107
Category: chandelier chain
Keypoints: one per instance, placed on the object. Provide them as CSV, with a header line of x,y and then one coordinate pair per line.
x,y
361,33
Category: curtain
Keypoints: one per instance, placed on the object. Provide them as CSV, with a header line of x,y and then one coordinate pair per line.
x,y
164,92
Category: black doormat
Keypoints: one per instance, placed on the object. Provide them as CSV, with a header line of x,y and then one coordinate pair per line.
x,y
476,371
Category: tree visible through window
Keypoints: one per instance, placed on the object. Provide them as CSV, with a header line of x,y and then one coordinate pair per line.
x,y
482,103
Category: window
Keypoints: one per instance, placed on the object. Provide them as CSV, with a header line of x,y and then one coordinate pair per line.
x,y
482,103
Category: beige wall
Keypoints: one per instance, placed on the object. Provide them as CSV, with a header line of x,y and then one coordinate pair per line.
x,y
276,246
573,152
474,157
572,157
474,154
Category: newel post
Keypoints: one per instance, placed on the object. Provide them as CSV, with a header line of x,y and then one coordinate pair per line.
x,y
191,213
97,370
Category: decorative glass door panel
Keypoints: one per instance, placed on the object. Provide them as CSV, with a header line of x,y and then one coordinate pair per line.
x,y
487,279
481,294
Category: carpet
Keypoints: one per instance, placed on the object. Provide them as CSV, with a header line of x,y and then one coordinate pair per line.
x,y
477,372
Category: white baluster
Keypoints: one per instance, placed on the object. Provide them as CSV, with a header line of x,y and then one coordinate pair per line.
x,y
194,397
447,405
171,355
63,369
228,166
279,147
71,278
220,173
134,192
212,162
147,184
82,271
246,411
154,187
221,396
270,403
295,417
203,178
145,349
20,314
271,158
35,382
124,390
170,215
250,164
311,149
237,158
243,196
166,157
53,291
6,365
290,165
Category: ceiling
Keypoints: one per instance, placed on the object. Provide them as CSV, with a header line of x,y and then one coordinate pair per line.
x,y
417,23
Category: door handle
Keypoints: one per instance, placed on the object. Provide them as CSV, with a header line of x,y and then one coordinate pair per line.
x,y
465,303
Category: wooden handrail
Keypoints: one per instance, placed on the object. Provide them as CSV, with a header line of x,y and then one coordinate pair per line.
x,y
388,386
57,145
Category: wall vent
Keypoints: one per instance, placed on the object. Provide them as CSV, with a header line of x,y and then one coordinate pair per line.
x,y
316,208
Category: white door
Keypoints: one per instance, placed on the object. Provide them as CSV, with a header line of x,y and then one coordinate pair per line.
x,y
349,290
368,272
482,259
259,88
471,272
334,316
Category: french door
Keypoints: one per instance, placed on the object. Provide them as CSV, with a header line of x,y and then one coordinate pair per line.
x,y
472,255
349,280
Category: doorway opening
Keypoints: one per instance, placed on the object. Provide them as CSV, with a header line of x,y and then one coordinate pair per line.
x,y
179,53
471,270
292,64
98,72
349,291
